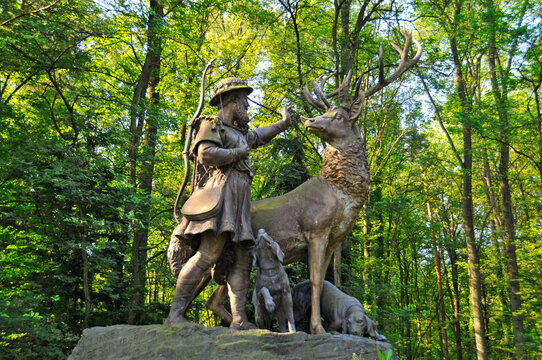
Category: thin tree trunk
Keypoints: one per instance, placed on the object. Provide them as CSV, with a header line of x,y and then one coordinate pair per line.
x,y
496,228
449,233
475,281
455,303
441,308
500,93
418,302
83,236
142,214
509,239
366,272
337,265
86,286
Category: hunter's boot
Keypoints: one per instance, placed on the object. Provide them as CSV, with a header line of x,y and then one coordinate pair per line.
x,y
238,284
189,278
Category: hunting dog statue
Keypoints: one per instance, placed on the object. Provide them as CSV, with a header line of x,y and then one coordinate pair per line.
x,y
342,312
272,289
318,215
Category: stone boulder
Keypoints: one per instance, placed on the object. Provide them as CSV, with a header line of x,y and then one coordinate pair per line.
x,y
192,341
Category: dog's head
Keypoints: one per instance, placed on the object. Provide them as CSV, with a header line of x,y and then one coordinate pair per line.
x,y
358,323
265,244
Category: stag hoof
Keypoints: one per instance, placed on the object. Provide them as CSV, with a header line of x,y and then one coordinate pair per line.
x,y
176,320
319,329
245,325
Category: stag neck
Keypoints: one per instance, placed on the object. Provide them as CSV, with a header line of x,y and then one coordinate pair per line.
x,y
345,142
345,167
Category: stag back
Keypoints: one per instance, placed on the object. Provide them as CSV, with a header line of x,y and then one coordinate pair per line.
x,y
353,104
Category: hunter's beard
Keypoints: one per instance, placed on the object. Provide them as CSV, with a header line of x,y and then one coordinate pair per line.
x,y
241,116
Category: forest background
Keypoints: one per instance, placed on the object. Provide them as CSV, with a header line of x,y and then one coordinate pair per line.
x,y
94,101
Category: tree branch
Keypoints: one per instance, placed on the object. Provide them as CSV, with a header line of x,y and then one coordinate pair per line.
x,y
24,13
439,118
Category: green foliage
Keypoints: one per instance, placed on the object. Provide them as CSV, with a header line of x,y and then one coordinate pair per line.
x,y
388,354
69,208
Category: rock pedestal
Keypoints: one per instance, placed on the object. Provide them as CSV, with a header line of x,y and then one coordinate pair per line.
x,y
192,341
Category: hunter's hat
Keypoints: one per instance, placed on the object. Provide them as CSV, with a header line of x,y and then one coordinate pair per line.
x,y
226,85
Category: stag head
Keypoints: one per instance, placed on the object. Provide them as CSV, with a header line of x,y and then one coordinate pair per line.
x,y
327,126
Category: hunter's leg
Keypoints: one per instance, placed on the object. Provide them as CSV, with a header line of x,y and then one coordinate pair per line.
x,y
238,284
206,277
192,274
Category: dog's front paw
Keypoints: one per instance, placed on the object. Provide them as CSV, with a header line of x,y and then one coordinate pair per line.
x,y
270,305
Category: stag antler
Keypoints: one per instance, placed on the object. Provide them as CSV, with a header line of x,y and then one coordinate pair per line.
x,y
321,101
404,65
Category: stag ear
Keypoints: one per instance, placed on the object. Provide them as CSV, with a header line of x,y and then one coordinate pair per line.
x,y
355,108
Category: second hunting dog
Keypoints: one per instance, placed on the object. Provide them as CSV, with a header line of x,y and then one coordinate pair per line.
x,y
272,289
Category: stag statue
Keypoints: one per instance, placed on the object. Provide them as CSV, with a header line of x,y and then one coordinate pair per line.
x,y
318,215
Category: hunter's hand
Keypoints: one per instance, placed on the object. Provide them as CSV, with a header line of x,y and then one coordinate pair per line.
x,y
286,115
240,152
243,150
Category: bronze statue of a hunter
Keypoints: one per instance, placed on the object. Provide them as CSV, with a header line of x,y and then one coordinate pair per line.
x,y
216,217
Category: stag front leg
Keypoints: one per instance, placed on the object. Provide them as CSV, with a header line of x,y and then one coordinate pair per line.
x,y
317,270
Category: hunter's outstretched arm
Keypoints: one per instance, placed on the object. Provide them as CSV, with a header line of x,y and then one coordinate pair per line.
x,y
264,134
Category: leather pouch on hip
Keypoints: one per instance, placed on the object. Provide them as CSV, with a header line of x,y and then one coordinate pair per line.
x,y
206,201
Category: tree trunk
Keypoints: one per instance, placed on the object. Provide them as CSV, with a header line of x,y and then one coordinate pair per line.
x,y
345,45
475,281
418,302
455,303
496,228
142,213
366,272
500,93
442,321
86,285
337,265
509,239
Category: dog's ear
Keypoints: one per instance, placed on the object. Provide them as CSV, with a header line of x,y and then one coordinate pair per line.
x,y
278,252
254,257
370,327
345,327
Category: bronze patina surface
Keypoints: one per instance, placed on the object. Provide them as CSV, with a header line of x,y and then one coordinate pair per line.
x,y
314,218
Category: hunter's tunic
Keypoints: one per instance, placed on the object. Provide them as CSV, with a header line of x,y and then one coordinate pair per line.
x,y
234,217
